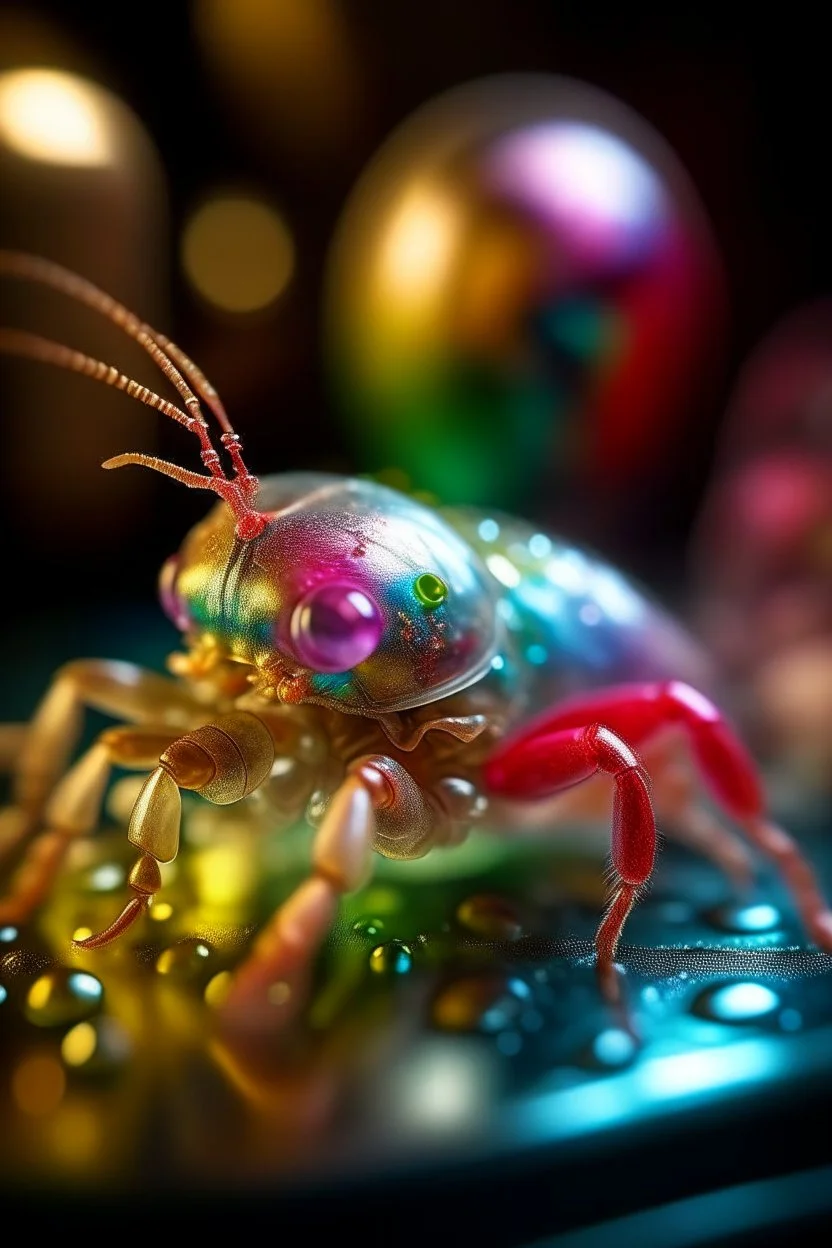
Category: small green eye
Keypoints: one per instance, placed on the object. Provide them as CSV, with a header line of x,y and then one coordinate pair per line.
x,y
430,590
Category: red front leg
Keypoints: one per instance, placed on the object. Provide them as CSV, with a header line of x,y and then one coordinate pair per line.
x,y
536,766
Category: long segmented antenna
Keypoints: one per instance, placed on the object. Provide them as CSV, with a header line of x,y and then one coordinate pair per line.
x,y
238,491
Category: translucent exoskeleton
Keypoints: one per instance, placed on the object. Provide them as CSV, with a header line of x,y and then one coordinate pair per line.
x,y
425,669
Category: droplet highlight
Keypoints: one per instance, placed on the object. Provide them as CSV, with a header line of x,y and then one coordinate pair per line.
x,y
736,1003
489,1003
100,1046
392,958
187,961
369,928
63,996
750,920
611,1049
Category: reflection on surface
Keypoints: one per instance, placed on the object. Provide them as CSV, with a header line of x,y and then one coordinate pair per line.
x,y
451,1016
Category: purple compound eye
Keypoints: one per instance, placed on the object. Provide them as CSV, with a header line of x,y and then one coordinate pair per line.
x,y
169,596
335,627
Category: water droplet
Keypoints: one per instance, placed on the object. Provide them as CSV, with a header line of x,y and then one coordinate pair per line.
x,y
749,920
372,928
490,916
217,989
611,1049
509,1043
392,958
97,1047
488,1003
791,1020
186,961
63,996
736,1003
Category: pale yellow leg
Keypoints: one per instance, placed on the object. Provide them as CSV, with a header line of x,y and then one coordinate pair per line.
x,y
271,984
224,761
74,809
40,755
378,803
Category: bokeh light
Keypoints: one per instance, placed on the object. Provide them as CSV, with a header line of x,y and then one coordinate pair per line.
x,y
238,253
53,116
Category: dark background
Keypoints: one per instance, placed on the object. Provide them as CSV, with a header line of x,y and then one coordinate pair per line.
x,y
741,99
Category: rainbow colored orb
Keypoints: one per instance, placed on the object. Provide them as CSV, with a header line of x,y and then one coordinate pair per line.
x,y
523,297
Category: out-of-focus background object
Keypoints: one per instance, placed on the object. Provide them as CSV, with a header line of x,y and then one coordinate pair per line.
x,y
761,552
525,306
81,183
291,77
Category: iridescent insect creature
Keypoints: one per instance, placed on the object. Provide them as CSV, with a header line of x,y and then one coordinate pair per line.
x,y
395,671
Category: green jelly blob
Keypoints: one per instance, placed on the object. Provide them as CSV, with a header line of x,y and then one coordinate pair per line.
x,y
430,590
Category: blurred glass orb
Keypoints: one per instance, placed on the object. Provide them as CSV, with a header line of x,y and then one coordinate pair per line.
x,y
761,551
52,116
522,291
238,253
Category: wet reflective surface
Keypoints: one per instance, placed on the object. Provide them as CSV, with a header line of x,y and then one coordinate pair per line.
x,y
454,1027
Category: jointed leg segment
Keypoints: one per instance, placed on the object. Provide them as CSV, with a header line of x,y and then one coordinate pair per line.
x,y
73,811
536,767
378,804
559,750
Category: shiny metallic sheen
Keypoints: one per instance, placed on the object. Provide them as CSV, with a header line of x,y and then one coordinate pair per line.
x,y
241,596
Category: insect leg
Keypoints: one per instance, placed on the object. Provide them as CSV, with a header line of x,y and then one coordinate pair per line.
x,y
378,806
271,984
224,761
533,767
73,811
684,817
122,690
640,712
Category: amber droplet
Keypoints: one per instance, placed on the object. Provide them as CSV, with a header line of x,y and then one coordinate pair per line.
x,y
487,1003
392,958
62,996
188,961
490,916
100,1046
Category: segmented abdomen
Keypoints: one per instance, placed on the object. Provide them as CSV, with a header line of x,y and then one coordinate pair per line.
x,y
572,621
